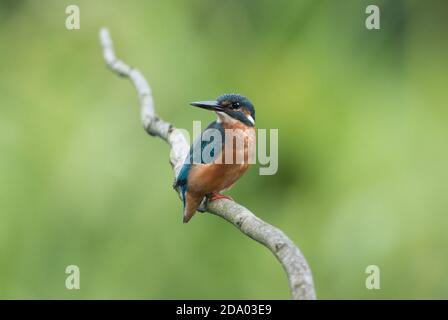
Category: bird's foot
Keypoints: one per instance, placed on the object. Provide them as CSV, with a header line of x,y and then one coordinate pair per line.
x,y
211,197
203,205
216,196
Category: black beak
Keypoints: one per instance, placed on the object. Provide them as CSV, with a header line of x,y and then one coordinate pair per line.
x,y
209,105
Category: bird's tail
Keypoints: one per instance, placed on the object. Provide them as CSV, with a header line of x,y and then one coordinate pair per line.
x,y
191,205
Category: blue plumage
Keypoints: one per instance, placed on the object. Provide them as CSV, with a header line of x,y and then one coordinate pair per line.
x,y
182,178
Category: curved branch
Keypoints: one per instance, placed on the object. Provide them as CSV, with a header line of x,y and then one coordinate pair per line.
x,y
290,257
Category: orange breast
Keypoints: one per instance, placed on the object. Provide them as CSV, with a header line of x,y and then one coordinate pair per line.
x,y
219,175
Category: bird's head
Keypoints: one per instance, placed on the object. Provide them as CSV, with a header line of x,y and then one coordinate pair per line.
x,y
230,107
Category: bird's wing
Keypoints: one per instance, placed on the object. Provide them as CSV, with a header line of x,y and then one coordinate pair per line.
x,y
202,142
198,145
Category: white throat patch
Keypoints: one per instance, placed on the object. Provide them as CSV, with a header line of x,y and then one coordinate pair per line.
x,y
224,117
251,120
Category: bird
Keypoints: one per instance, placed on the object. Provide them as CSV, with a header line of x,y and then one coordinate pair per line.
x,y
207,178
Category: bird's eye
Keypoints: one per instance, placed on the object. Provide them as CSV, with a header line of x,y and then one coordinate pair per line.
x,y
235,105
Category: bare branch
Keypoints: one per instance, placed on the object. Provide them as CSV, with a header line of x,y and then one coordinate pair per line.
x,y
290,257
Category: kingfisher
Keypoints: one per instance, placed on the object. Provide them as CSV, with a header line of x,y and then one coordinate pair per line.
x,y
205,179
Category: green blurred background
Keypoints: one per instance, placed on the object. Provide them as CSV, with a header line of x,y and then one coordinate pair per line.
x,y
362,118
